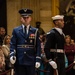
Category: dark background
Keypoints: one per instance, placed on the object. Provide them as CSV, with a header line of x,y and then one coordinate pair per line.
x,y
3,14
69,28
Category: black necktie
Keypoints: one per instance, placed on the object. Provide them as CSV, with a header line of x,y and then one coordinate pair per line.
x,y
25,28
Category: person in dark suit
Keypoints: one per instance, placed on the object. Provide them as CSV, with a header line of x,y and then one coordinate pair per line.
x,y
2,35
54,47
40,30
25,48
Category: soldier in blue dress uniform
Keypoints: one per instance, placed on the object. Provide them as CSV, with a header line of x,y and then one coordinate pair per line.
x,y
25,48
54,47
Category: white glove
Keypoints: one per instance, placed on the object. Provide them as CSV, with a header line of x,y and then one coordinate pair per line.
x,y
37,65
53,64
12,59
74,62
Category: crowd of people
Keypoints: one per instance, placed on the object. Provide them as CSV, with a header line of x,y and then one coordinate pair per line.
x,y
51,48
4,50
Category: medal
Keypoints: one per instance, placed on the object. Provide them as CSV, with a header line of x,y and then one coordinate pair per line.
x,y
31,41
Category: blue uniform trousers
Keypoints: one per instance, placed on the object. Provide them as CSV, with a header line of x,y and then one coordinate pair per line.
x,y
24,70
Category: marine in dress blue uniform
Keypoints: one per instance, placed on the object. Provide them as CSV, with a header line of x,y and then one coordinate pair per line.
x,y
26,45
54,46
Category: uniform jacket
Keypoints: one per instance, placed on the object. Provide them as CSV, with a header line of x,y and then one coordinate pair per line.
x,y
27,52
54,40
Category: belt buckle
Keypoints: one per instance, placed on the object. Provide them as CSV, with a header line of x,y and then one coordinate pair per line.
x,y
61,51
58,51
27,46
24,46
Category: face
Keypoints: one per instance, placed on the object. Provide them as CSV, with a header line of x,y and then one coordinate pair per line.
x,y
2,31
72,41
26,20
37,26
68,40
8,40
60,23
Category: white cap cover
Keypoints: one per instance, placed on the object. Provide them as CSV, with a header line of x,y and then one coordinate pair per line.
x,y
57,17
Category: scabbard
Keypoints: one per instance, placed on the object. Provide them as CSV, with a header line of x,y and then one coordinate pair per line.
x,y
12,71
55,71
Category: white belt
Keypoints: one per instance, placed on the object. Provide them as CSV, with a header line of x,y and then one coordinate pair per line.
x,y
57,50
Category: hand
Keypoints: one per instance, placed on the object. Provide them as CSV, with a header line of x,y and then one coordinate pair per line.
x,y
53,64
37,65
74,62
12,59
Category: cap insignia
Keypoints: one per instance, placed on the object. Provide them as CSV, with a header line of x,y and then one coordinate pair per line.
x,y
25,10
